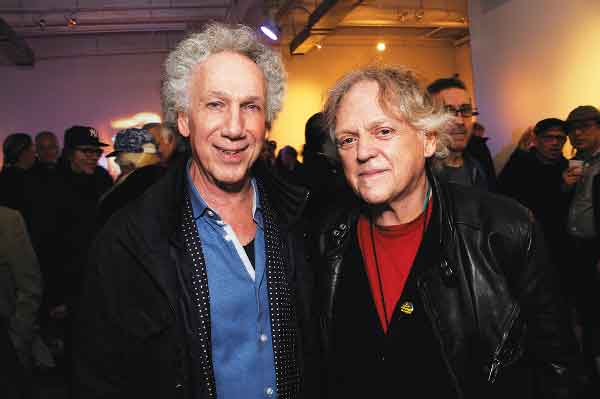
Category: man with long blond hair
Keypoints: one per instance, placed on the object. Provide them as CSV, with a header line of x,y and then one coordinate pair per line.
x,y
431,289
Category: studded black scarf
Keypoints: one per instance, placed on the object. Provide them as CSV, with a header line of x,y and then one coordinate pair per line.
x,y
281,300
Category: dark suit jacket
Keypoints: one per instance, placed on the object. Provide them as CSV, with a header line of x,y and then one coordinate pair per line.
x,y
128,338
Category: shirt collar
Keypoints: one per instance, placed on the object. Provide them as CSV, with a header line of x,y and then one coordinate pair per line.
x,y
200,208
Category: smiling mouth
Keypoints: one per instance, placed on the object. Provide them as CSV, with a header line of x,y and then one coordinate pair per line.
x,y
371,173
227,151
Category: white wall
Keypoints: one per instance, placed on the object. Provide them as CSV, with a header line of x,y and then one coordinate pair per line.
x,y
81,81
93,91
532,59
311,75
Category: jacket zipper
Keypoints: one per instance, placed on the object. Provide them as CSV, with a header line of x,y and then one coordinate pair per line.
x,y
497,362
429,312
326,319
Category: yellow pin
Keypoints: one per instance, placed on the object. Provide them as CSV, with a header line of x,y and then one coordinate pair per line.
x,y
407,308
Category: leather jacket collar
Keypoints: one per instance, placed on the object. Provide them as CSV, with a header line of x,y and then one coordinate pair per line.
x,y
334,237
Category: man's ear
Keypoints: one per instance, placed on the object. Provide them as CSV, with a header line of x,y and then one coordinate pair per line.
x,y
429,144
183,124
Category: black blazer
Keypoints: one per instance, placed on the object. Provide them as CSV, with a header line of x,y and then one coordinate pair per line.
x,y
128,340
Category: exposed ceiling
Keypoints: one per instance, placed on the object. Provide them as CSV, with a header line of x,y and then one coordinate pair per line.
x,y
35,18
306,24
33,30
63,28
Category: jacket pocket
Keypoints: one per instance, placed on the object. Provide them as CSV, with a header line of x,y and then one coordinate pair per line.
x,y
510,348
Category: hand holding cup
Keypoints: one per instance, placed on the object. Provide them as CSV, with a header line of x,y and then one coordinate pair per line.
x,y
576,167
573,172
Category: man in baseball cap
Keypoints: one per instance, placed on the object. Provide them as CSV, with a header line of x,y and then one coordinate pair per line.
x,y
583,224
583,125
72,203
136,153
134,148
83,149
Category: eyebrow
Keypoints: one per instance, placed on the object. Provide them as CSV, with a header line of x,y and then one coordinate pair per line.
x,y
370,126
222,94
376,123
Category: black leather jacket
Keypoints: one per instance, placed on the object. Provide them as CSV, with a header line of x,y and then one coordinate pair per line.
x,y
491,297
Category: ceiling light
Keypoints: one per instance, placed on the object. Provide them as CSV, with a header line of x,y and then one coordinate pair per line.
x,y
380,46
71,22
318,46
270,30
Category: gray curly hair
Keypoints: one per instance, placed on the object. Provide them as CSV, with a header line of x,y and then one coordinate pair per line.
x,y
216,38
400,92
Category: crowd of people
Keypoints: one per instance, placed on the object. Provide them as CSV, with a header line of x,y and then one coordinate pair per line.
x,y
54,202
393,254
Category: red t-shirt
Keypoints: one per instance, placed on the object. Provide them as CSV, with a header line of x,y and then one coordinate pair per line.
x,y
396,248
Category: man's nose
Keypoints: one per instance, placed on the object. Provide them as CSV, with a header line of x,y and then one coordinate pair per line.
x,y
458,118
234,124
365,148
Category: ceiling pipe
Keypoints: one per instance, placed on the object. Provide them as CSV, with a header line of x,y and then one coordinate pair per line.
x,y
463,40
433,32
15,47
324,19
20,11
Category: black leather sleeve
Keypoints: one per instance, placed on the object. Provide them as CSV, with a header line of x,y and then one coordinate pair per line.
x,y
550,340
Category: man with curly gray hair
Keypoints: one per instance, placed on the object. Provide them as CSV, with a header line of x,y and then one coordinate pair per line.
x,y
424,278
201,288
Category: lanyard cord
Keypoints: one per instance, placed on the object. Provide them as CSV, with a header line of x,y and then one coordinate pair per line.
x,y
379,281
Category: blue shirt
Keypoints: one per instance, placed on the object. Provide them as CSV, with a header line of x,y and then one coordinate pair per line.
x,y
241,339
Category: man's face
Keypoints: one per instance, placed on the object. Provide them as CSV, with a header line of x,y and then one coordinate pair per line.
x,y
458,99
47,149
549,144
585,135
225,120
383,157
85,158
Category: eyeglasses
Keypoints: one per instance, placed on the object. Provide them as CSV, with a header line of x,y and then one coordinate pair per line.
x,y
90,151
466,110
583,126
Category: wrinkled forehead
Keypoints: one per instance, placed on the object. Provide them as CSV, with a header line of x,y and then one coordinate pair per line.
x,y
367,100
228,70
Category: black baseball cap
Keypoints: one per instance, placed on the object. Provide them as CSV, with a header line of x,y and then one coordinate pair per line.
x,y
76,136
584,113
